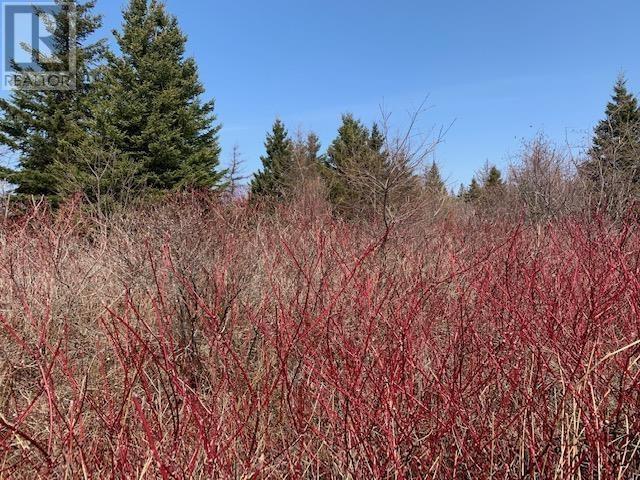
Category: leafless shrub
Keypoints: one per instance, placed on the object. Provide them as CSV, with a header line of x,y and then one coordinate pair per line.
x,y
103,177
541,180
235,176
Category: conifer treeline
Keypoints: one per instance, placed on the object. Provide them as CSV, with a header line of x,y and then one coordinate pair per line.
x,y
140,125
143,126
607,179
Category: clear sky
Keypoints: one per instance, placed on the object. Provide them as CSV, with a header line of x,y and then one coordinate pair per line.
x,y
503,70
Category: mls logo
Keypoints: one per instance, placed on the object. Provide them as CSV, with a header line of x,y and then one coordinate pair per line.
x,y
38,45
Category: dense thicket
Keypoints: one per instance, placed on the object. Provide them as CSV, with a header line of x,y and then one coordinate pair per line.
x,y
194,339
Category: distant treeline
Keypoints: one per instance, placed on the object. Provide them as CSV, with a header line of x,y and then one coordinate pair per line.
x,y
141,128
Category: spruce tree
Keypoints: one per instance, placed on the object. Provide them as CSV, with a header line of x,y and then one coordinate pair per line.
x,y
433,183
347,157
304,172
493,179
351,147
363,177
151,109
474,192
376,139
47,129
271,181
616,142
307,159
312,148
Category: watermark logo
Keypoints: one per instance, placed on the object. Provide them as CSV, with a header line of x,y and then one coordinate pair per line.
x,y
39,46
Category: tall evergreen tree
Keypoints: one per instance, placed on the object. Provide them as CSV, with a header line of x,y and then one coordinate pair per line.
x,y
366,176
616,141
271,181
47,128
151,108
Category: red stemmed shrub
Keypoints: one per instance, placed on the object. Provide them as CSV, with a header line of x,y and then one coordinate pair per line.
x,y
201,340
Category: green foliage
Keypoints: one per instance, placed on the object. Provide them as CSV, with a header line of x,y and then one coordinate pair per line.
x,y
149,104
376,139
312,150
620,130
355,165
616,141
488,191
433,183
473,193
494,179
271,181
353,146
45,127
5,173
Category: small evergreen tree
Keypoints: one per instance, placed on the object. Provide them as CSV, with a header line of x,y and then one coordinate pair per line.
x,y
271,181
304,173
376,139
48,128
355,164
312,149
307,159
352,146
493,180
474,192
150,107
234,176
433,183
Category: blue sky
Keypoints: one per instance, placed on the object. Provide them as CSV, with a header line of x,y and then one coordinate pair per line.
x,y
503,70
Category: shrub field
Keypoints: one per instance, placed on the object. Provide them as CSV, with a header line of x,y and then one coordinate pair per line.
x,y
201,339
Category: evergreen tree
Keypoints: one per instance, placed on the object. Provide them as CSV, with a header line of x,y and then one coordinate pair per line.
x,y
271,181
351,147
150,107
305,170
493,179
616,142
364,178
474,192
376,139
355,164
312,148
433,183
48,128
